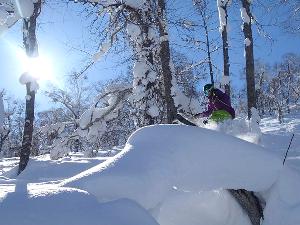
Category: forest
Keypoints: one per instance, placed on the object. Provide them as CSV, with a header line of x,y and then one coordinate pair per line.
x,y
131,65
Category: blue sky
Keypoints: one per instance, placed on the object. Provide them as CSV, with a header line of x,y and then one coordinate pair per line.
x,y
63,36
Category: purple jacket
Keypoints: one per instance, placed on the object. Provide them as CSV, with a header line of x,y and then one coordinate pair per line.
x,y
218,101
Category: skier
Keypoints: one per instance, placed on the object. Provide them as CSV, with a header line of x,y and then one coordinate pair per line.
x,y
219,106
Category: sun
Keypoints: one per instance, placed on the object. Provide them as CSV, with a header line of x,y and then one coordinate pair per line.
x,y
39,67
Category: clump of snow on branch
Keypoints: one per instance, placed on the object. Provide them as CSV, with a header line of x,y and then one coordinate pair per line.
x,y
59,147
26,78
255,121
225,80
103,50
28,97
12,11
247,42
92,122
222,14
245,16
140,4
187,23
184,104
132,3
25,8
188,105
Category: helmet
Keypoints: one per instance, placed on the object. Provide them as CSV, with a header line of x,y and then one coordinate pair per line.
x,y
207,88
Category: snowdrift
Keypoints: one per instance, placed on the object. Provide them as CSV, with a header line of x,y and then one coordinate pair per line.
x,y
61,206
167,175
161,157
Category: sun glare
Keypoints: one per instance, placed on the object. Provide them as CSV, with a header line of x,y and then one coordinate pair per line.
x,y
40,68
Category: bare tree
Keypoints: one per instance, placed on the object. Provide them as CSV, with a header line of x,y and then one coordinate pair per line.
x,y
203,9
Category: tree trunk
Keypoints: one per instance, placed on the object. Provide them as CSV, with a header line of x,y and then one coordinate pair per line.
x,y
31,47
28,130
208,51
165,57
147,96
226,64
249,59
250,204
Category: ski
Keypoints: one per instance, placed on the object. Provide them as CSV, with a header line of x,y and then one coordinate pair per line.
x,y
183,120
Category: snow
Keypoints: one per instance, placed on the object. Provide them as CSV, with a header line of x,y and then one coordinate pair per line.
x,y
139,4
24,8
166,174
222,19
206,207
189,106
8,15
103,50
27,97
27,78
153,111
245,16
255,120
3,16
225,80
222,14
247,42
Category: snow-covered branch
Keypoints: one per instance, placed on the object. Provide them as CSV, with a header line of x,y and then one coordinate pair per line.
x,y
96,114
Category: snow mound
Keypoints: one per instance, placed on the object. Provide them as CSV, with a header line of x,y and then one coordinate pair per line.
x,y
158,158
167,175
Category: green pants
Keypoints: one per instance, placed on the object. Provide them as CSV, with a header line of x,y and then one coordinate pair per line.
x,y
220,115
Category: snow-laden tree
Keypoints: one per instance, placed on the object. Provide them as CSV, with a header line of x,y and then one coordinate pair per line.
x,y
189,99
1,111
4,132
101,118
147,96
146,28
12,131
74,98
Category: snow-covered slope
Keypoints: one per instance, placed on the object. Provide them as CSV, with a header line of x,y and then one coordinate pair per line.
x,y
167,175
